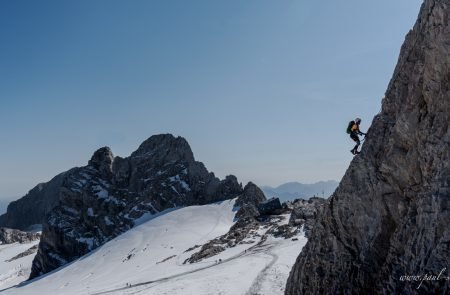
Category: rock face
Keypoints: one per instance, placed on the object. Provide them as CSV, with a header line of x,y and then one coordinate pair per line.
x,y
252,195
269,207
305,212
33,207
249,201
390,215
10,236
111,194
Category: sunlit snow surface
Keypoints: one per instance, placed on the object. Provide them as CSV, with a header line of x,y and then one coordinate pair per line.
x,y
17,270
148,259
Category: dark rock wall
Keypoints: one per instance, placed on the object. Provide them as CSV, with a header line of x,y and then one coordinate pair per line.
x,y
34,206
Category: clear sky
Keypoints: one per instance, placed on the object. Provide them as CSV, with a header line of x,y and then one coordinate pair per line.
x,y
260,89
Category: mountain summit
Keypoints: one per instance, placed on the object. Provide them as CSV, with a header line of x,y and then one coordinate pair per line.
x,y
389,218
88,206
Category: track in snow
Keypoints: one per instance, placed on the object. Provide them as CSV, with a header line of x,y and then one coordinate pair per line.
x,y
258,248
256,285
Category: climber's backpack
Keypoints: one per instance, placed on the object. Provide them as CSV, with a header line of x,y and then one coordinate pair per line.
x,y
349,127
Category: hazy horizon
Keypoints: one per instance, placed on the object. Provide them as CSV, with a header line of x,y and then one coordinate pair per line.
x,y
260,89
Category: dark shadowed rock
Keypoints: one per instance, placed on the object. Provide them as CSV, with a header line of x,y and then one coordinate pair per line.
x,y
34,206
252,195
247,210
248,202
390,215
102,160
269,207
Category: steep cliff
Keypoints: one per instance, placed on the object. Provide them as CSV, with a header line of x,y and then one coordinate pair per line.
x,y
390,215
111,194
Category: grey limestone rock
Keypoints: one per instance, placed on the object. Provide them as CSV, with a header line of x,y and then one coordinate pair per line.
x,y
305,212
390,215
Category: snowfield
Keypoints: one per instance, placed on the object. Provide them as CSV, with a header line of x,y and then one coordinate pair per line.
x,y
148,259
15,271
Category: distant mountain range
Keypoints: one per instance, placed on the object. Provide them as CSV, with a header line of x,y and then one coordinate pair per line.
x,y
296,190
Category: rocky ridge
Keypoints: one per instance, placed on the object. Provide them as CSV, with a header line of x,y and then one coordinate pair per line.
x,y
10,236
254,225
111,194
389,217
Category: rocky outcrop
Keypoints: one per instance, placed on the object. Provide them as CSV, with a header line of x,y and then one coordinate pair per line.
x,y
253,226
248,202
111,194
305,212
252,195
244,228
389,218
246,211
10,236
271,206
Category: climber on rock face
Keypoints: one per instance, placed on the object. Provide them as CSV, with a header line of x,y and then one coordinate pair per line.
x,y
353,130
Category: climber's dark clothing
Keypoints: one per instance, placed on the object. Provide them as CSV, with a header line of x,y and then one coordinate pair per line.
x,y
354,137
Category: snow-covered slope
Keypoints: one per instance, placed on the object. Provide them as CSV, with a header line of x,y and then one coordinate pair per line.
x,y
148,259
14,271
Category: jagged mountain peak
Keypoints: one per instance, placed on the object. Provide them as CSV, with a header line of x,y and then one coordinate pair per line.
x,y
102,159
174,148
87,206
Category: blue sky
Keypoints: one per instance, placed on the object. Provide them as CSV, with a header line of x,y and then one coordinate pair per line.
x,y
260,89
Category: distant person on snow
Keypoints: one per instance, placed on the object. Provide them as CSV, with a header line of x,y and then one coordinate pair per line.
x,y
353,130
